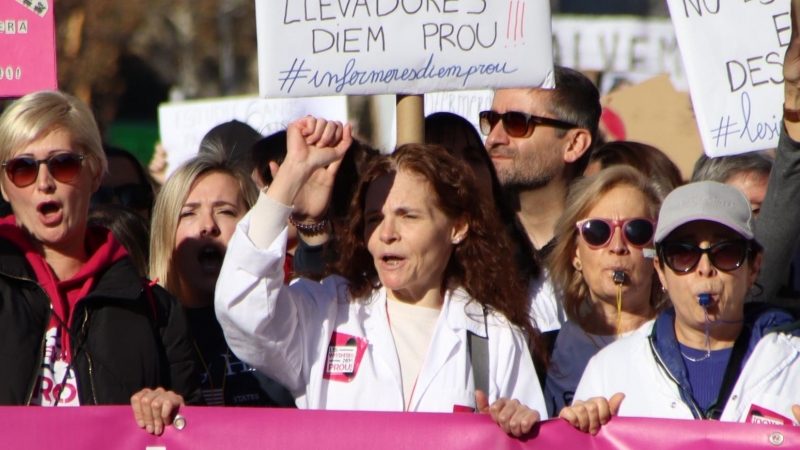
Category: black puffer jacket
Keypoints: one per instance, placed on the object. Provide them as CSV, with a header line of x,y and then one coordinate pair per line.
x,y
117,346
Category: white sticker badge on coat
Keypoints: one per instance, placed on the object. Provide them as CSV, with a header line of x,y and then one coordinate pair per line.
x,y
344,356
341,360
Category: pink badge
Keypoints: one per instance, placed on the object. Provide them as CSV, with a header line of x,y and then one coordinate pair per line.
x,y
343,357
764,416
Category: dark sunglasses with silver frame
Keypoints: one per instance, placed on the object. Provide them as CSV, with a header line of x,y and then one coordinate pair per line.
x,y
63,167
518,124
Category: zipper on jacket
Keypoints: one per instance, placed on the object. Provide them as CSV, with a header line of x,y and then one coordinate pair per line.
x,y
40,358
693,405
86,352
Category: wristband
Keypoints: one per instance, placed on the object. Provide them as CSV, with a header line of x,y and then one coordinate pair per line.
x,y
309,228
791,115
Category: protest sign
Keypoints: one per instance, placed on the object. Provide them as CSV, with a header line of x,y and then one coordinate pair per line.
x,y
467,104
618,44
280,428
333,47
183,125
733,54
28,55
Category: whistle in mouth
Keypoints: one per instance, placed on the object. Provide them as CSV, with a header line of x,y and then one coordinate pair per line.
x,y
704,299
619,277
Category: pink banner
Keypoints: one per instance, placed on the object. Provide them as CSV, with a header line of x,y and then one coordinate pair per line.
x,y
216,428
27,40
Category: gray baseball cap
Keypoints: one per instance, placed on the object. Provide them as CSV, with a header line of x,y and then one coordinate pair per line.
x,y
706,200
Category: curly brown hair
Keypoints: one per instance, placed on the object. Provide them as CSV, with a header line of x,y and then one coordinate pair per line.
x,y
482,264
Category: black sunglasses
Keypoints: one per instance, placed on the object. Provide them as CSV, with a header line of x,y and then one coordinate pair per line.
x,y
64,167
136,196
518,124
725,256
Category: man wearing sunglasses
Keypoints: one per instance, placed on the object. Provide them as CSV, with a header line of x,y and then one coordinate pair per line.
x,y
539,141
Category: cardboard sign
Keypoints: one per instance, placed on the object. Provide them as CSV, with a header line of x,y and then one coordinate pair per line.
x,y
654,113
733,54
346,47
618,44
183,125
27,40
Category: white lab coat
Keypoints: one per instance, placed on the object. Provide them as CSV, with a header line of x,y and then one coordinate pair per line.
x,y
770,379
285,331
547,308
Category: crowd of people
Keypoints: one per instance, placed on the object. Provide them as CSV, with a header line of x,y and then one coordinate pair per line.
x,y
539,275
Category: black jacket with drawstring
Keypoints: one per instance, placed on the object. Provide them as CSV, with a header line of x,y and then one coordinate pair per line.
x,y
122,337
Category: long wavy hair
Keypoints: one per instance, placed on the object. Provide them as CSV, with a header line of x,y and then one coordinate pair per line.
x,y
482,263
583,195
460,138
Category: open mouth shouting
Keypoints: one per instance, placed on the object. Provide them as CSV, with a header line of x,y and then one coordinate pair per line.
x,y
50,213
391,261
210,258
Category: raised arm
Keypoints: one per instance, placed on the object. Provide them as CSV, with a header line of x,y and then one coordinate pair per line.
x,y
266,324
315,148
778,225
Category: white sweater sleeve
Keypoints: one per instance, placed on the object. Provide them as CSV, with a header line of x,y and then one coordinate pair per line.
x,y
267,220
270,326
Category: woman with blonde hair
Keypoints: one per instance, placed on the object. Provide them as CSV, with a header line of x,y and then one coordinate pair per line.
x,y
602,264
176,208
77,324
194,217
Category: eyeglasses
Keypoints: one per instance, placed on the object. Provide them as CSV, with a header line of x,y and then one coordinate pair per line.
x,y
136,196
597,233
518,124
64,167
725,256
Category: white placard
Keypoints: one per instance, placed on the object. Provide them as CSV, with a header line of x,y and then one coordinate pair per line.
x,y
352,47
733,54
467,104
183,125
618,44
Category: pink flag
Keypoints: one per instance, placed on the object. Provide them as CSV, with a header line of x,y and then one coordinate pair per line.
x,y
27,47
218,428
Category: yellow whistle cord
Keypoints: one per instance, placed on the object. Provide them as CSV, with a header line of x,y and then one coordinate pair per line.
x,y
619,309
